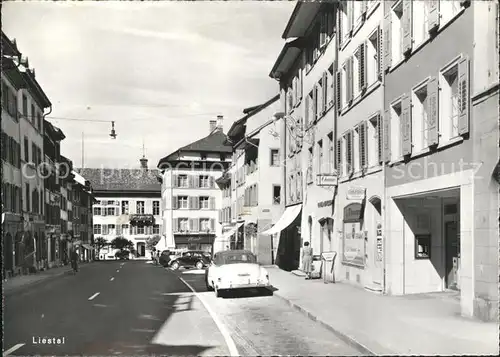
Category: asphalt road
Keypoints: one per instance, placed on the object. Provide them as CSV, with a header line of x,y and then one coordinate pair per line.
x,y
135,308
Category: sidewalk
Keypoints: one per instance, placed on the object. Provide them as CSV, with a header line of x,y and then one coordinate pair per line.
x,y
19,282
423,324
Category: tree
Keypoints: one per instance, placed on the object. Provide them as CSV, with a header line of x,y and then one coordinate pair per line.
x,y
100,243
151,242
121,243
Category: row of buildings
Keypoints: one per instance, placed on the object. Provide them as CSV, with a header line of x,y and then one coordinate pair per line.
x,y
45,204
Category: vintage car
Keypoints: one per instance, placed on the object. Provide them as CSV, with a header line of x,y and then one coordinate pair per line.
x,y
191,259
235,269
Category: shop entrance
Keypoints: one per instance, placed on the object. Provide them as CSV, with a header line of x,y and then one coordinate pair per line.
x,y
452,255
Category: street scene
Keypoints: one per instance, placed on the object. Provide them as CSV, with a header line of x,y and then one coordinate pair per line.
x,y
250,178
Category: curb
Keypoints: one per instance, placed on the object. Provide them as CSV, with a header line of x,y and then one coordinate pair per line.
x,y
342,336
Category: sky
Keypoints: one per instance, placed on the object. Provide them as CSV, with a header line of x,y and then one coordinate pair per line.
x,y
159,70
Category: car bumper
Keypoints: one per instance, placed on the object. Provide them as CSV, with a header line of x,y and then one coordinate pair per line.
x,y
231,286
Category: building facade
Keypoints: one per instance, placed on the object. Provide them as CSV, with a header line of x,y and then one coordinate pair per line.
x,y
255,187
190,197
83,200
127,204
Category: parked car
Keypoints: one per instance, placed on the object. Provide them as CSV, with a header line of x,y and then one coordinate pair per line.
x,y
122,255
166,257
235,269
191,259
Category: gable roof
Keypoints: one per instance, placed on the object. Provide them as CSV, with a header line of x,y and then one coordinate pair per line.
x,y
215,142
121,179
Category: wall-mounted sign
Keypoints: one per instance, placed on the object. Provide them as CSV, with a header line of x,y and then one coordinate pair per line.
x,y
325,203
356,193
379,243
327,179
353,212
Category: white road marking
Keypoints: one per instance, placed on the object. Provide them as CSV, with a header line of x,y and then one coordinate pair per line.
x,y
142,330
93,296
222,328
12,349
100,305
112,279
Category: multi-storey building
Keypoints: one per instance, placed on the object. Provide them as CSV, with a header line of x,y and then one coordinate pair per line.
x,y
441,199
54,251
255,187
128,205
190,197
12,224
82,202
66,207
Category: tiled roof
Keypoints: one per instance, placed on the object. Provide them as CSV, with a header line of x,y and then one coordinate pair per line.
x,y
215,142
122,179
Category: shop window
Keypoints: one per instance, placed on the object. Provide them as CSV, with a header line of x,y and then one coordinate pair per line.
x,y
422,246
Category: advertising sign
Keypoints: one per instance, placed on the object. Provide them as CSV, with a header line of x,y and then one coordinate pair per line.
x,y
356,193
379,243
327,179
353,247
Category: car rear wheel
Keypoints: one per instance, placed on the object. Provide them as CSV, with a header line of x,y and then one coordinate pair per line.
x,y
175,265
199,265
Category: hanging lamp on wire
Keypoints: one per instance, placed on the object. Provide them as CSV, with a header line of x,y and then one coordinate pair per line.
x,y
113,132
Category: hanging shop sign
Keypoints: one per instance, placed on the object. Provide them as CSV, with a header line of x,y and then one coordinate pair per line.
x,y
355,193
325,203
379,243
327,179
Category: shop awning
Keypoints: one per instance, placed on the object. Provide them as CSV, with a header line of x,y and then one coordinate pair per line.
x,y
87,246
229,233
285,220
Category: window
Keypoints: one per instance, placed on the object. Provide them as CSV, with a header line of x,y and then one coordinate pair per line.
x,y
310,173
97,229
26,151
97,211
330,166
395,137
125,229
359,70
299,185
448,9
420,22
396,31
276,194
422,246
33,114
110,211
320,92
105,230
33,152
419,121
320,162
349,158
140,207
204,224
125,207
111,229
140,230
448,103
204,181
204,202
156,229
345,22
156,208
275,157
374,141
373,58
347,81
39,121
356,144
182,202
310,107
25,105
183,224
182,181
27,196
363,145
329,92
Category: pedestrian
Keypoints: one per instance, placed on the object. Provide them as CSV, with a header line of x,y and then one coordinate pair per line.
x,y
74,259
307,257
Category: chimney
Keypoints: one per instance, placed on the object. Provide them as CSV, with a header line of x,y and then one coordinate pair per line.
x,y
213,125
144,163
220,122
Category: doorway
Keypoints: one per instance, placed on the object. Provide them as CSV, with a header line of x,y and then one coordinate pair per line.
x,y
452,238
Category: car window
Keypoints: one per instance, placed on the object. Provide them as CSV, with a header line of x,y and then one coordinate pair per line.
x,y
187,254
235,258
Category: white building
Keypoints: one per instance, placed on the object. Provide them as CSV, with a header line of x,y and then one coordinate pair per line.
x,y
189,194
128,205
254,187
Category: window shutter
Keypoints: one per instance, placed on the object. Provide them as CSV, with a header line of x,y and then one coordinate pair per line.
x,y
350,15
362,145
256,195
175,226
433,16
196,224
338,93
212,225
315,102
387,135
432,112
212,202
463,95
191,224
362,67
407,26
380,138
350,152
338,159
325,91
339,26
299,80
307,111
175,203
364,6
387,41
174,180
405,124
350,78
